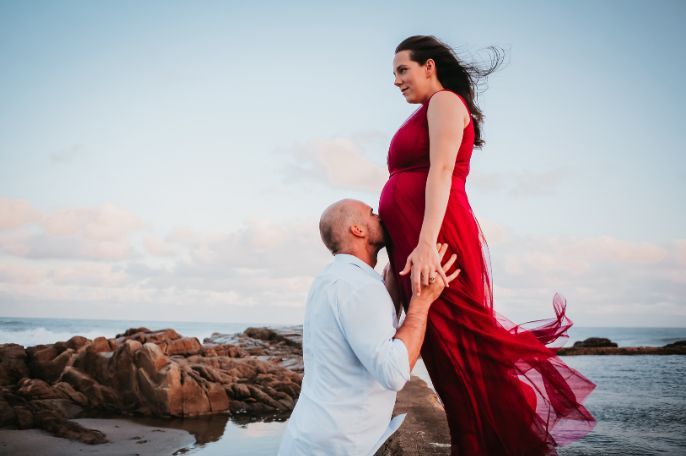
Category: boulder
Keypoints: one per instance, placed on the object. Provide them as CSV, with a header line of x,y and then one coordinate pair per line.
x,y
13,365
593,342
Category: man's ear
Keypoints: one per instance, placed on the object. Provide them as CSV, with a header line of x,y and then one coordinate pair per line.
x,y
357,230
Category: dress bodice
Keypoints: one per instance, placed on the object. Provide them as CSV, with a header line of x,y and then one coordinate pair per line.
x,y
409,148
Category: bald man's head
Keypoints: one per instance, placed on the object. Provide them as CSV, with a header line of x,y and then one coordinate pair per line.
x,y
336,222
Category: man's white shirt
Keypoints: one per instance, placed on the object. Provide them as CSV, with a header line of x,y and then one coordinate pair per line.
x,y
353,365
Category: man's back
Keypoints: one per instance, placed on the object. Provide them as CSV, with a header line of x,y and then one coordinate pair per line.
x,y
353,366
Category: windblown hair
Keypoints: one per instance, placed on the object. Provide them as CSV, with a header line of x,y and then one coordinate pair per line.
x,y
460,77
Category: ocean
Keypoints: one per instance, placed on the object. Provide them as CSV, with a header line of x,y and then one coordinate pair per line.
x,y
639,402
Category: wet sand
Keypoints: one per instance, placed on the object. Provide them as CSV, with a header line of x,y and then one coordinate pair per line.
x,y
125,438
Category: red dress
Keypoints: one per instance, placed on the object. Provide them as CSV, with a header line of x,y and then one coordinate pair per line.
x,y
504,389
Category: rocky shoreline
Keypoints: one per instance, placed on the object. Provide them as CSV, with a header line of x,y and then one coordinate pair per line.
x,y
147,373
602,346
251,375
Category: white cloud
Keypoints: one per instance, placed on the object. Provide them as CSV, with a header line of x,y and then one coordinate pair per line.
x,y
103,233
84,257
340,162
15,213
106,223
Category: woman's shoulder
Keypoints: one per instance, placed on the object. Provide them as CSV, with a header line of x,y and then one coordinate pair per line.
x,y
445,102
446,96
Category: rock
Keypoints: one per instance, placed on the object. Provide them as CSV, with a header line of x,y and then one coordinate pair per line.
x,y
47,363
77,342
677,344
24,417
158,373
182,346
57,425
151,359
68,392
12,364
7,414
593,342
131,331
64,407
425,429
101,344
676,348
99,396
34,388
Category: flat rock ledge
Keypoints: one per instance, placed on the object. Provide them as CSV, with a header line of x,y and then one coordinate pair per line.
x,y
602,346
425,429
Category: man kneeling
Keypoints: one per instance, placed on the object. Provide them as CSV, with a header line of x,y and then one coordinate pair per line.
x,y
356,357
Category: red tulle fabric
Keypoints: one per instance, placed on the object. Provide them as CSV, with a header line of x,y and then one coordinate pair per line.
x,y
504,389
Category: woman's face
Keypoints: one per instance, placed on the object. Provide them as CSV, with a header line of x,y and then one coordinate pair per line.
x,y
411,78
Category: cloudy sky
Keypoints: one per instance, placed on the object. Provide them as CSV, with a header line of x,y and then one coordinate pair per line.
x,y
169,160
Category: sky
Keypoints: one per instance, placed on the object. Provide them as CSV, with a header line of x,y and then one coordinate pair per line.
x,y
168,160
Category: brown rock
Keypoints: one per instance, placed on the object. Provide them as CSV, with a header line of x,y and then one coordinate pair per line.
x,y
7,415
68,392
95,363
77,342
123,373
57,425
24,417
63,407
232,351
593,342
182,346
99,396
12,364
34,388
101,344
216,395
151,359
131,331
172,385
47,364
195,400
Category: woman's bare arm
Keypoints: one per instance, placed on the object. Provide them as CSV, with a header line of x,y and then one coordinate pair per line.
x,y
447,116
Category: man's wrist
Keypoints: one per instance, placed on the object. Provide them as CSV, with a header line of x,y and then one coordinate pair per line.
x,y
420,303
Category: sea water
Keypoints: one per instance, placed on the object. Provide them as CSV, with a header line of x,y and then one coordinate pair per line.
x,y
639,401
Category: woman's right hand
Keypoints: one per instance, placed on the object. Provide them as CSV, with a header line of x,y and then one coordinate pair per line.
x,y
424,264
433,290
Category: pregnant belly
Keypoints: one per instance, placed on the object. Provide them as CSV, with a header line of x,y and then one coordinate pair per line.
x,y
401,208
402,202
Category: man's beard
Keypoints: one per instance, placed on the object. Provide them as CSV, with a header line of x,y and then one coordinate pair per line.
x,y
381,241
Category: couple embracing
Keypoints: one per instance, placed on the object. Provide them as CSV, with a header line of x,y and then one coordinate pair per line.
x,y
505,392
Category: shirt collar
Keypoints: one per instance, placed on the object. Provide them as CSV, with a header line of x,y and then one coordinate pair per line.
x,y
352,259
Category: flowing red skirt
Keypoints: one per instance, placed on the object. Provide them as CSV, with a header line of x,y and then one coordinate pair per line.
x,y
504,390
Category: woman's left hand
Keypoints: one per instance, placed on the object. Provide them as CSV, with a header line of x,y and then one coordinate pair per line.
x,y
425,264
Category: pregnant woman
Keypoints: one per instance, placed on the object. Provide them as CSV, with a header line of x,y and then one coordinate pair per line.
x,y
504,390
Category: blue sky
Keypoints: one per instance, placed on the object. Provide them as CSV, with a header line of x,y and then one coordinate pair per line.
x,y
170,159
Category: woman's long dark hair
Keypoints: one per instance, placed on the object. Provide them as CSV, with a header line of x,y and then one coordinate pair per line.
x,y
460,77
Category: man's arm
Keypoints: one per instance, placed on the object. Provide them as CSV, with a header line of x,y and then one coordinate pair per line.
x,y
413,328
388,354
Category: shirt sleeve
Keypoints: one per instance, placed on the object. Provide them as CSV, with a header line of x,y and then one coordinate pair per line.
x,y
367,320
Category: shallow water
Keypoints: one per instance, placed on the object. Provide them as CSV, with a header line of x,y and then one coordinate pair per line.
x,y
639,403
